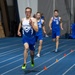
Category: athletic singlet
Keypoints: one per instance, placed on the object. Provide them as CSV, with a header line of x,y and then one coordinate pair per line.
x,y
56,24
40,32
27,30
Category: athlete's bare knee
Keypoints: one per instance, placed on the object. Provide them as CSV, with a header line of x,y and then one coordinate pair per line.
x,y
57,38
26,47
40,44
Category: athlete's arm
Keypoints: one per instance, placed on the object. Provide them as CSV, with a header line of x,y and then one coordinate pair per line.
x,y
19,28
43,27
34,25
61,23
50,23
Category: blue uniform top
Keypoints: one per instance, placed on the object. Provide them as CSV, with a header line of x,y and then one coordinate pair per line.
x,y
56,24
40,32
27,30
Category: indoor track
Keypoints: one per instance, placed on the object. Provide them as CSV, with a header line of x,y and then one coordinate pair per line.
x,y
50,63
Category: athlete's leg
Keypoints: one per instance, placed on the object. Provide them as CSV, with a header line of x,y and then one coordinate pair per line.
x,y
57,42
36,39
26,47
32,57
32,49
53,36
40,47
57,39
40,38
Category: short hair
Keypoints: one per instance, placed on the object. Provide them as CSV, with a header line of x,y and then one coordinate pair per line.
x,y
38,13
56,10
28,8
34,15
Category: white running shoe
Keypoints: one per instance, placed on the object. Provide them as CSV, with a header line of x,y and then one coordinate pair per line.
x,y
56,50
38,55
46,35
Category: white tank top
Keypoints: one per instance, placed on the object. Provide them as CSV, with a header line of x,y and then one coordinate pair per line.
x,y
27,30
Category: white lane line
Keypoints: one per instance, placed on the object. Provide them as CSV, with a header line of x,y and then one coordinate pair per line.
x,y
21,65
53,63
4,43
9,52
9,46
11,58
22,54
52,58
68,69
10,63
22,58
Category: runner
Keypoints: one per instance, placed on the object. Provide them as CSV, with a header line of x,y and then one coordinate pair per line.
x,y
39,34
29,26
55,24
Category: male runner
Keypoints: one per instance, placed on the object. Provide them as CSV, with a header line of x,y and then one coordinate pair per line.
x,y
39,34
55,24
29,26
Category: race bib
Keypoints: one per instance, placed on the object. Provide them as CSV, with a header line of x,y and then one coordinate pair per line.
x,y
57,22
